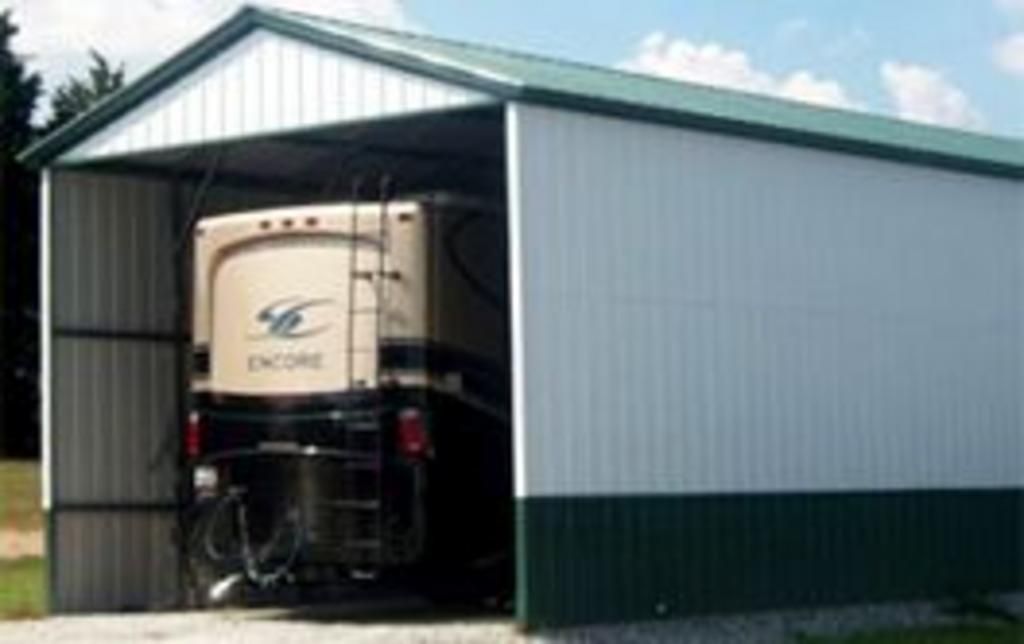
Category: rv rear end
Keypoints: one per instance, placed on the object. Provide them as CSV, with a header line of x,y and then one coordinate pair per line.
x,y
349,391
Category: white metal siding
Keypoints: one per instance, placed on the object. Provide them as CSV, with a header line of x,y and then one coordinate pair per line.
x,y
45,335
701,313
267,83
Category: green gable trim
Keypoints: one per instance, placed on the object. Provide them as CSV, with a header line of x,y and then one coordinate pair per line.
x,y
590,560
513,76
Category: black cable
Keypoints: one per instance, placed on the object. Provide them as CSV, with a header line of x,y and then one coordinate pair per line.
x,y
198,197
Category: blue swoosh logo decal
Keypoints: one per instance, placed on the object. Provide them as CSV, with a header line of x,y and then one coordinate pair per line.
x,y
286,319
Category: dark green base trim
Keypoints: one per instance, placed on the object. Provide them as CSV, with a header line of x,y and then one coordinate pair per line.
x,y
606,559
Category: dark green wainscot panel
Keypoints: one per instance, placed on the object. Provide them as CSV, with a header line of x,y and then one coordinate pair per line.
x,y
615,558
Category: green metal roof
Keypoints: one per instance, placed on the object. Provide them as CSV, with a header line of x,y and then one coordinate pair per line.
x,y
527,78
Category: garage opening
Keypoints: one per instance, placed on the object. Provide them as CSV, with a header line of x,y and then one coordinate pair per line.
x,y
336,300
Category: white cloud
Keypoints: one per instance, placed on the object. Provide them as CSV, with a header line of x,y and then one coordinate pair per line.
x,y
1011,6
56,34
1009,54
803,86
714,64
923,94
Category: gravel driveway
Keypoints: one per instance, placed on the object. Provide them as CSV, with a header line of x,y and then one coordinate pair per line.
x,y
410,624
403,621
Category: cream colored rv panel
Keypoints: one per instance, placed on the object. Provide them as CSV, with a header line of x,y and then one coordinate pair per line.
x,y
268,83
272,303
279,324
272,293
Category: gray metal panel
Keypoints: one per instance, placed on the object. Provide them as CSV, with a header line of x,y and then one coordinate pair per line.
x,y
268,83
113,404
701,313
113,561
116,420
112,253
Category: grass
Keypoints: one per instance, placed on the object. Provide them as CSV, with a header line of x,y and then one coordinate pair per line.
x,y
19,496
21,589
980,634
22,593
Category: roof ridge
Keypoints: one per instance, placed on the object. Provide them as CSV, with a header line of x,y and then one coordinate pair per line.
x,y
508,51
467,44
661,81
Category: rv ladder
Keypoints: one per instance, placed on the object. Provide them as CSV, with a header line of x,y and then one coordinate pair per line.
x,y
365,500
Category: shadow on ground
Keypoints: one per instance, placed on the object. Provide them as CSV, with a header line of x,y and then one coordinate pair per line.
x,y
383,607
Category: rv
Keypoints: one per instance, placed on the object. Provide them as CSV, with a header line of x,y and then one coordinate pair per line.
x,y
349,394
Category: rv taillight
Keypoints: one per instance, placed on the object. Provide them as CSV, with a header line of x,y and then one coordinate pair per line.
x,y
193,436
413,441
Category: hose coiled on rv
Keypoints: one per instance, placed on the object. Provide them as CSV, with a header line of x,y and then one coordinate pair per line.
x,y
252,559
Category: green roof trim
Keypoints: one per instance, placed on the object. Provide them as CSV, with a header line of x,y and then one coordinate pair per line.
x,y
526,78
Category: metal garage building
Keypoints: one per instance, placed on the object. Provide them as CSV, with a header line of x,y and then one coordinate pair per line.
x,y
764,355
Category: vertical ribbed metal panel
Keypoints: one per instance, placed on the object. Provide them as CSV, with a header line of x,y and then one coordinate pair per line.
x,y
115,561
115,409
269,83
700,313
112,253
114,393
757,376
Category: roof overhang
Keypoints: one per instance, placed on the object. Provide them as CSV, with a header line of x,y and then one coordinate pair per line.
x,y
506,76
247,21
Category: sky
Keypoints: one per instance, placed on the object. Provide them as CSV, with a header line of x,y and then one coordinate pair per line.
x,y
953,63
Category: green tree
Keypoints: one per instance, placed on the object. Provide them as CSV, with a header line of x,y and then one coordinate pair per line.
x,y
77,95
19,93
